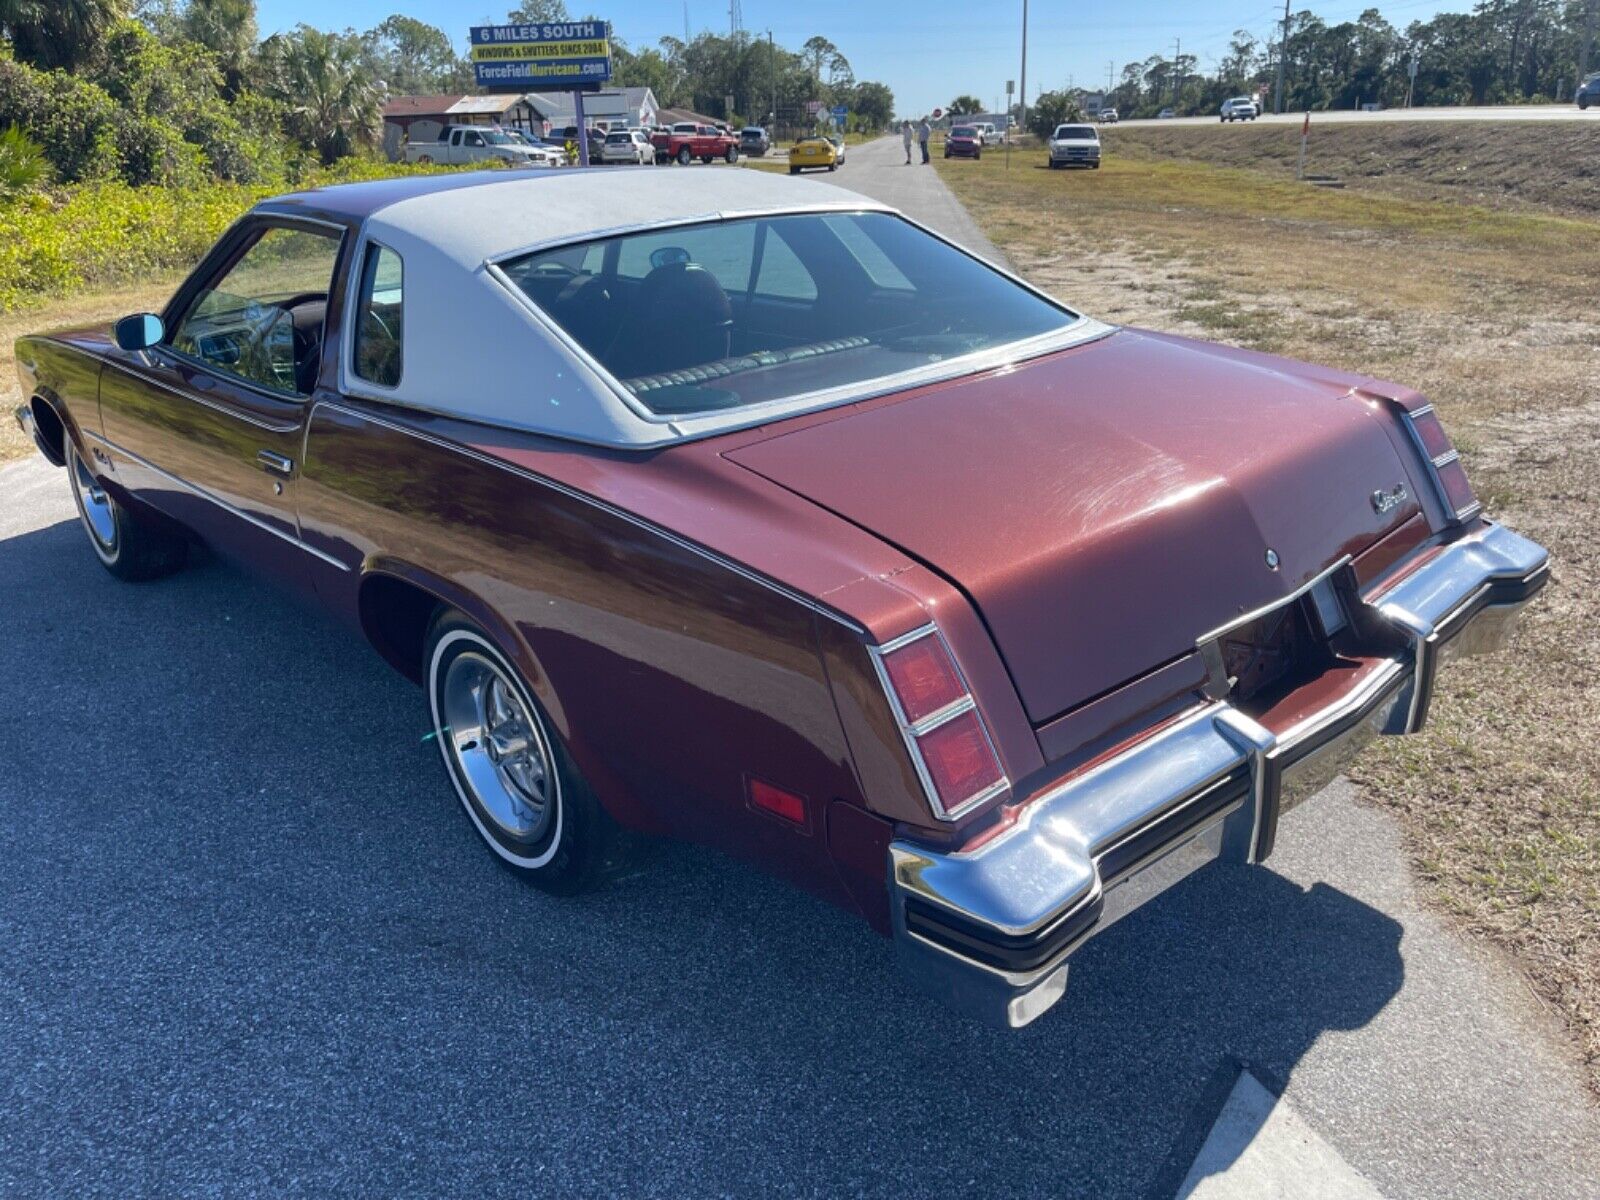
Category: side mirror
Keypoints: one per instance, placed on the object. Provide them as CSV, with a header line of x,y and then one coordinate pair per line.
x,y
140,331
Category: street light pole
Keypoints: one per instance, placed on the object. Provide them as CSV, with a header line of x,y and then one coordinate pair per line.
x,y
1022,122
1283,56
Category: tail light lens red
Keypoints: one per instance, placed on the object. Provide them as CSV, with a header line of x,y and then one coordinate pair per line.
x,y
940,722
923,677
1449,477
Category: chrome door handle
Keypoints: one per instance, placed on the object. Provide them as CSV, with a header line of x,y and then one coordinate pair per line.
x,y
279,464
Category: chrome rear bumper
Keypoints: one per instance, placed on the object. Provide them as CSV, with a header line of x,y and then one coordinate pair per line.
x,y
989,930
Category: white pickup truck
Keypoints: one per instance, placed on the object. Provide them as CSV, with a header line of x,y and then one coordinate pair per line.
x,y
460,144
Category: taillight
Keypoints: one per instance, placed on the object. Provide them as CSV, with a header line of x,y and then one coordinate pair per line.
x,y
943,730
1444,464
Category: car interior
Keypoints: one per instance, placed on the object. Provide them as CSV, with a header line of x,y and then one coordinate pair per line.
x,y
698,318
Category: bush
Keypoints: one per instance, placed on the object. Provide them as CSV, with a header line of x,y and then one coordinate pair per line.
x,y
109,233
23,166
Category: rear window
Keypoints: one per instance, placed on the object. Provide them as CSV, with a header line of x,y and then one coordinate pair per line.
x,y
721,316
618,139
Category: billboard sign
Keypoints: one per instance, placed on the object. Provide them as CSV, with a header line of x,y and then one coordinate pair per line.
x,y
558,56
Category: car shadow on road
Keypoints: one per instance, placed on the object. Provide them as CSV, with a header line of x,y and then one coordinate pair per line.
x,y
240,894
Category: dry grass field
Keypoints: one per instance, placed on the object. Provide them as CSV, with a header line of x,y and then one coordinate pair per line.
x,y
1539,166
1493,313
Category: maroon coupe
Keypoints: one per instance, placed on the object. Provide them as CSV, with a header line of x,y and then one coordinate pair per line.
x,y
745,510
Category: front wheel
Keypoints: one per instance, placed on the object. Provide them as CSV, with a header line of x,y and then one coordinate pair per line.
x,y
684,157
731,154
425,159
510,770
131,548
1583,103
833,166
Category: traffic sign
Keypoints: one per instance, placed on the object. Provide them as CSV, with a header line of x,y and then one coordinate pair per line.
x,y
839,111
937,113
559,55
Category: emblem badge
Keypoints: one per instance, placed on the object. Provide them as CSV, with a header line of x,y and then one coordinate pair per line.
x,y
1383,501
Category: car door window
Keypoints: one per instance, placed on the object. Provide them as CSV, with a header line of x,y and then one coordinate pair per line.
x,y
262,320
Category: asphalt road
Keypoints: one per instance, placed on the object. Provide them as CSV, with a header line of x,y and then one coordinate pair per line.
x,y
251,945
1507,112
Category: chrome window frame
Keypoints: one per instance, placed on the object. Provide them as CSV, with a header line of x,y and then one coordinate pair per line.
x,y
910,730
1078,329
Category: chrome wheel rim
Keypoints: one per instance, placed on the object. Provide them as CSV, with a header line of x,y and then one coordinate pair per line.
x,y
497,747
94,505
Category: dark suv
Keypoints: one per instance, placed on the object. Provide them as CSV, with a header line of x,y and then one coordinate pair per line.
x,y
1589,91
753,141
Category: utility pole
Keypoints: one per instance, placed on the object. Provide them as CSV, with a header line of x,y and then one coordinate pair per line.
x,y
1111,67
1283,58
1022,122
772,71
1177,70
1587,43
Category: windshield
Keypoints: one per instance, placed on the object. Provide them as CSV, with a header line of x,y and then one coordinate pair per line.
x,y
721,316
496,138
1066,132
963,131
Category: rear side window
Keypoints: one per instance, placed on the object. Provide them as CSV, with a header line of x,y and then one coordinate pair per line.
x,y
380,315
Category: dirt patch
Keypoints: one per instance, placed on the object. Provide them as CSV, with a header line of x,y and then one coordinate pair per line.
x,y
1541,166
1495,316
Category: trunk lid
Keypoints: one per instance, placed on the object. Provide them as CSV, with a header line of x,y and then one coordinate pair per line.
x,y
1106,506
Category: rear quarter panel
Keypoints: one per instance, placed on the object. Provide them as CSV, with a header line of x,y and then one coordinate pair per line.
x,y
671,678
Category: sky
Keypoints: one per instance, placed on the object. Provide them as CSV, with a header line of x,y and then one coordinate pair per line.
x,y
928,52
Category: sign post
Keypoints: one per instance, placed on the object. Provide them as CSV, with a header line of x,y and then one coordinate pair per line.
x,y
1305,132
569,56
1010,87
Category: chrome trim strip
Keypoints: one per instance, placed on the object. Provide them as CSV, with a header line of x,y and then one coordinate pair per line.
x,y
910,732
1272,606
205,402
622,514
220,503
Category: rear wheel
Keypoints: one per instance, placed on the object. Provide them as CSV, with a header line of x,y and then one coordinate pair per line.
x,y
794,170
510,770
131,548
1583,103
425,159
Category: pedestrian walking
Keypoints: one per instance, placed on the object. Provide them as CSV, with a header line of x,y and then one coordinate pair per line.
x,y
905,136
924,132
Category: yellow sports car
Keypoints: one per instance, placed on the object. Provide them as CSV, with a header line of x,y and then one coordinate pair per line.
x,y
813,152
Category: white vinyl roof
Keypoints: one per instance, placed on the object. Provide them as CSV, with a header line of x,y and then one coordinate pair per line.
x,y
476,347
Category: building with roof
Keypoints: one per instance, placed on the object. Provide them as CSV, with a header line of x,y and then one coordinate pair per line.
x,y
419,118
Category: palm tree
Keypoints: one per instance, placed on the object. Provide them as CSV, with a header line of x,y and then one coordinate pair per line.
x,y
58,33
965,106
334,103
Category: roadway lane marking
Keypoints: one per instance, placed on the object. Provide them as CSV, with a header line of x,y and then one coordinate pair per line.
x,y
1259,1147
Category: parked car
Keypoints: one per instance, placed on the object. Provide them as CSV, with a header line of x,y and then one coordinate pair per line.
x,y
460,144
810,153
753,141
569,135
1165,114
1108,116
1075,146
627,146
555,155
1589,92
964,141
1240,108
1042,614
989,135
687,141
838,148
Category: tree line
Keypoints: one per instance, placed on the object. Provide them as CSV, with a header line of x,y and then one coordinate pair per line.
x,y
177,91
1501,52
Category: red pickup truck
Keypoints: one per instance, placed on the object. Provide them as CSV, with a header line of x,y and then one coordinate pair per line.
x,y
687,141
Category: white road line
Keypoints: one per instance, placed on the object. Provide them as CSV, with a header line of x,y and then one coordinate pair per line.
x,y
1260,1149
